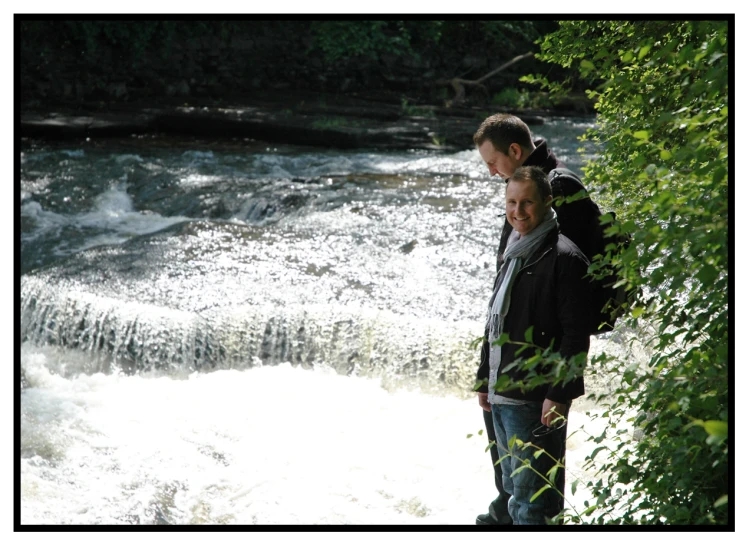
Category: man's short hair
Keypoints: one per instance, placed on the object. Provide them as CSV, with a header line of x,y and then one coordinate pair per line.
x,y
535,175
502,130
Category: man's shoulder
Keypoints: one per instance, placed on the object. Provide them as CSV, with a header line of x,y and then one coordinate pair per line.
x,y
566,248
565,181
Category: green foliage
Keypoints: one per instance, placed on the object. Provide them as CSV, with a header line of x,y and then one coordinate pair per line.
x,y
544,367
369,39
415,110
508,96
344,41
661,91
86,56
511,97
506,31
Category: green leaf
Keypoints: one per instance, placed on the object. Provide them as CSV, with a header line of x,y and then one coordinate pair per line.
x,y
721,501
719,174
502,339
502,384
573,486
637,311
480,383
665,155
644,50
532,361
707,274
587,65
529,335
605,219
641,135
538,453
716,428
537,493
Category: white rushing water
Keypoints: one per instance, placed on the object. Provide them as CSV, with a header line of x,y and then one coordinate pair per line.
x,y
267,445
112,217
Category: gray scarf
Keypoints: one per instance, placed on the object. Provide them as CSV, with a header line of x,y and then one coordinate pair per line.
x,y
516,253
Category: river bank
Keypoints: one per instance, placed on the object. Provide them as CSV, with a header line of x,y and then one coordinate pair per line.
x,y
319,120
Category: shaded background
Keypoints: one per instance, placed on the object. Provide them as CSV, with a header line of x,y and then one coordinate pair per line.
x,y
90,63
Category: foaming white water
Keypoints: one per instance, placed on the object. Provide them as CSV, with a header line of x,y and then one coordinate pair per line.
x,y
196,156
128,158
43,220
284,166
114,201
28,187
194,180
113,212
265,445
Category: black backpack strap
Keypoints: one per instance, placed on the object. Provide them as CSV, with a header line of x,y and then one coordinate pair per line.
x,y
565,183
578,219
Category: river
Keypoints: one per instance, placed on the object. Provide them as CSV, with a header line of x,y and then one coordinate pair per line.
x,y
245,333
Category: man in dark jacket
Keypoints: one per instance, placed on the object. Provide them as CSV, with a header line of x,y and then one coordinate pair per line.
x,y
540,284
505,143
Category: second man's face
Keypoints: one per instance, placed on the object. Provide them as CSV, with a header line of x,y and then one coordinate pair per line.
x,y
497,162
525,210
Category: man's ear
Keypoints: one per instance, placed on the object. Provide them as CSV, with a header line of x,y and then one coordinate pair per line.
x,y
515,151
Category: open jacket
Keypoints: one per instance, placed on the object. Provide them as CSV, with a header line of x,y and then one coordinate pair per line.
x,y
550,294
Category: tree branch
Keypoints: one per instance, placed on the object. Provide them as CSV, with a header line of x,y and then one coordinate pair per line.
x,y
458,83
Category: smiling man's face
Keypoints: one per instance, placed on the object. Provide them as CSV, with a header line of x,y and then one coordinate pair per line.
x,y
525,209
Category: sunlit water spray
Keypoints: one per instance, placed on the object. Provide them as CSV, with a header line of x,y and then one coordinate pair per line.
x,y
266,445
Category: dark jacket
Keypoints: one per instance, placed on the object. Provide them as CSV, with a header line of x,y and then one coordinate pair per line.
x,y
568,214
550,294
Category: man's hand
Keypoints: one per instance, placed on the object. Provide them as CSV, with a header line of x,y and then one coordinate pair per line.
x,y
553,413
484,401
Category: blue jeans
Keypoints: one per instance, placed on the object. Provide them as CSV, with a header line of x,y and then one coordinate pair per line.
x,y
520,421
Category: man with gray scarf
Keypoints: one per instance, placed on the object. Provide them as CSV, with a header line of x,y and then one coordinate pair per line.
x,y
540,284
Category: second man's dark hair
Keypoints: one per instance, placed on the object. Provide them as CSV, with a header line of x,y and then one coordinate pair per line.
x,y
502,130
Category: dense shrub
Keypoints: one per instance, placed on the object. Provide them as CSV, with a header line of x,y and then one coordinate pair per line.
x,y
661,91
